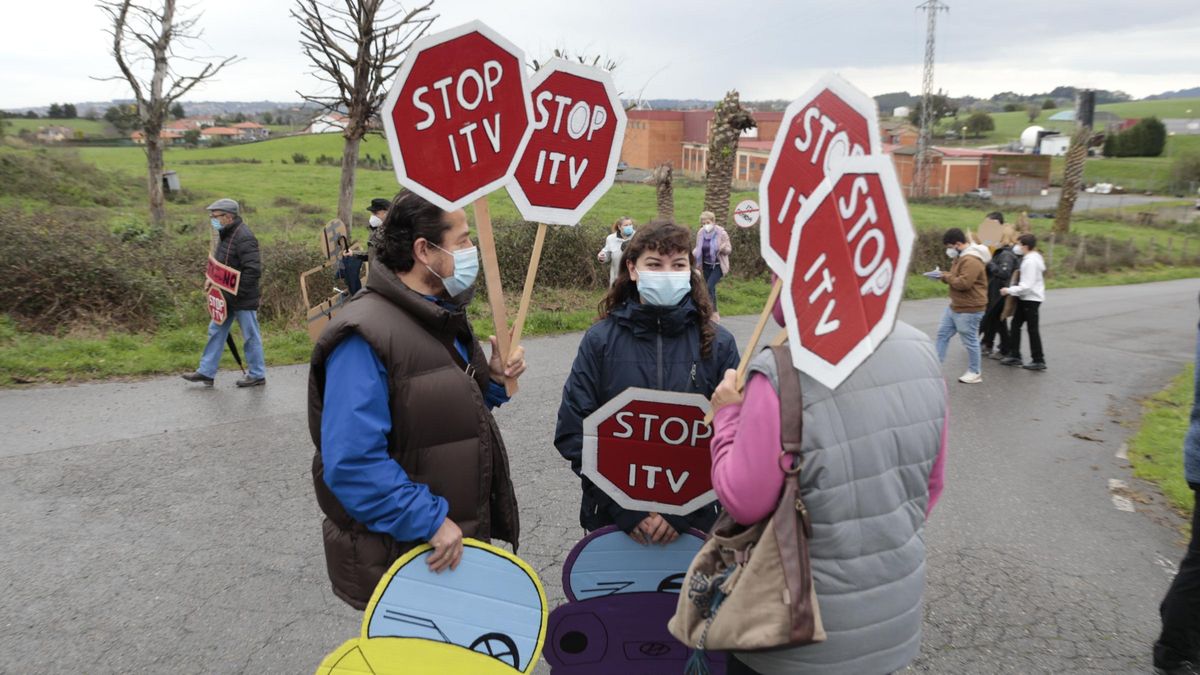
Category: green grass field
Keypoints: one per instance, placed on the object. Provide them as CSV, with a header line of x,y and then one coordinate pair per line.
x,y
90,128
1156,450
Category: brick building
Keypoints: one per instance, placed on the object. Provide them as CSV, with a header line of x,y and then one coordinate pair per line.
x,y
681,137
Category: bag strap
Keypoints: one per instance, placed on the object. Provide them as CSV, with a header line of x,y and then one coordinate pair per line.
x,y
792,526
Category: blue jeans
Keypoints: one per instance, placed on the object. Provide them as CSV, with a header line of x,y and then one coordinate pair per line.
x,y
252,348
712,276
967,327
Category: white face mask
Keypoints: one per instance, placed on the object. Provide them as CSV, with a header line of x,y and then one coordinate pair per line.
x,y
951,253
708,227
375,221
1019,249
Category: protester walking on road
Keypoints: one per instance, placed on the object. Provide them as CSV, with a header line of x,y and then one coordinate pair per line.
x,y
614,246
1177,651
967,278
399,408
712,255
236,248
654,332
1030,292
999,271
871,458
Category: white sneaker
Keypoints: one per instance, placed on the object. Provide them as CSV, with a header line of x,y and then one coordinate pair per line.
x,y
971,378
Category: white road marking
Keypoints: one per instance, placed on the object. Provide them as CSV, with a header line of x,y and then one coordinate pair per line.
x,y
1122,504
1123,452
1168,567
1117,484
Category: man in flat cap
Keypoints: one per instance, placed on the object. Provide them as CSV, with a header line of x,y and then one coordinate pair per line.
x,y
236,248
378,209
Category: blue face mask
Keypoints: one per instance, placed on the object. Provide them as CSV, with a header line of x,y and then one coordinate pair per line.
x,y
466,269
216,223
627,230
664,289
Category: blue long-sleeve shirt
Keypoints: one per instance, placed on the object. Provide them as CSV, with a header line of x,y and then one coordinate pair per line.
x,y
355,422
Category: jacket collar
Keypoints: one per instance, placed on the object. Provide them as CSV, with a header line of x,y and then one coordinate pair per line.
x,y
645,320
231,228
442,317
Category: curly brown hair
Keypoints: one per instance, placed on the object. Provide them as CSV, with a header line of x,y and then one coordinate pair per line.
x,y
666,238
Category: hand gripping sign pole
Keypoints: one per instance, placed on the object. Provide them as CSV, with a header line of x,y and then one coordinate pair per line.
x,y
455,119
569,155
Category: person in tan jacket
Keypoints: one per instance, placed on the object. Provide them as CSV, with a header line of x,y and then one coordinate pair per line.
x,y
967,278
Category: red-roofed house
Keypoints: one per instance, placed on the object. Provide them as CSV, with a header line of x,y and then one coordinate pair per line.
x,y
168,136
251,131
219,133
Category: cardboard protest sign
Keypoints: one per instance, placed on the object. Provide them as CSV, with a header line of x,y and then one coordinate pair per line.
x,y
830,122
990,232
649,451
222,276
457,113
332,237
569,155
847,264
217,309
488,617
620,597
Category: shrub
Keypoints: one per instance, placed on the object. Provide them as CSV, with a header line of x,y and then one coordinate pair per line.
x,y
299,158
283,262
1147,138
568,257
1185,171
62,179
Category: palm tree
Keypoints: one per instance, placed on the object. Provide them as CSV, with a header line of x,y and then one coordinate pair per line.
x,y
730,121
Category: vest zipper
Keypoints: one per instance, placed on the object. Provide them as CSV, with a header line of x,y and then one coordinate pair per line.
x,y
694,385
660,363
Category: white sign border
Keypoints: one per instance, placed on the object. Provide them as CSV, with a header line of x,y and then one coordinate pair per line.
x,y
393,97
591,442
554,215
857,100
757,214
806,361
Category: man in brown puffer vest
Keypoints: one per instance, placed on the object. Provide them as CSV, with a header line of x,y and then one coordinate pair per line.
x,y
399,409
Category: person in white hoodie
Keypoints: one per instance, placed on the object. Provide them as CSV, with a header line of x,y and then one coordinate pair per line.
x,y
1030,292
614,246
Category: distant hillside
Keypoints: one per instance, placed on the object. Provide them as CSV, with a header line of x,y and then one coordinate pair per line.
x,y
1194,92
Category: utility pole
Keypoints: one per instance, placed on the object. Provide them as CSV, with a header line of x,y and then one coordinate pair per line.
x,y
920,185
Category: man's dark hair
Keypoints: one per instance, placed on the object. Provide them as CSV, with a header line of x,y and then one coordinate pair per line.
x,y
954,236
996,216
410,218
1029,241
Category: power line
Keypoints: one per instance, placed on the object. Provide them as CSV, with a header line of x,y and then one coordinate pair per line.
x,y
922,169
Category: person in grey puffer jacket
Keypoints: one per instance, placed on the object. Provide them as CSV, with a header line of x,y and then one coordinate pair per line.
x,y
873,453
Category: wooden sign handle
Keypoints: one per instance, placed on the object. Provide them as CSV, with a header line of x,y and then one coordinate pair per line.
x,y
752,346
527,294
491,272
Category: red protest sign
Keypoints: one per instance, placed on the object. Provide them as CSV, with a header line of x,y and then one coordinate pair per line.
x,y
830,122
222,276
456,114
848,261
570,153
216,305
649,451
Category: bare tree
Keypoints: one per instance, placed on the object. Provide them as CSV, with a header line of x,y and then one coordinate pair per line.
x,y
355,47
147,42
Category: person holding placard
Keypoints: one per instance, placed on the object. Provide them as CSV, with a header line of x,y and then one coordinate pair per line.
x,y
999,271
967,279
237,253
399,408
870,469
712,254
614,246
655,332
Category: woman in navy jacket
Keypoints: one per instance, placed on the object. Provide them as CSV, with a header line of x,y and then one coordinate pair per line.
x,y
655,331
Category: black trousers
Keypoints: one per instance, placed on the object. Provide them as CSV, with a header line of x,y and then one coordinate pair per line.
x,y
1180,609
1027,315
994,326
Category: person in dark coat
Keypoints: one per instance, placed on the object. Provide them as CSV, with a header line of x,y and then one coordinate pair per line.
x,y
655,331
237,248
999,271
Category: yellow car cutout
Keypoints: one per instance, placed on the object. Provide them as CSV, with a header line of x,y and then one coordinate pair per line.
x,y
488,617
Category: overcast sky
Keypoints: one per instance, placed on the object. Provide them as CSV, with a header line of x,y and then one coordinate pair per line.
x,y
773,49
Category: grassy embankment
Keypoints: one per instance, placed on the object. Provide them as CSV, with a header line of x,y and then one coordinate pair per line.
x,y
1156,450
80,354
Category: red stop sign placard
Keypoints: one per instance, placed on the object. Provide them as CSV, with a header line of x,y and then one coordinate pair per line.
x,y
570,153
649,451
831,121
456,114
217,309
847,265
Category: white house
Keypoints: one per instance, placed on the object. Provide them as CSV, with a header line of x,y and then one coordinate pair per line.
x,y
328,123
1055,145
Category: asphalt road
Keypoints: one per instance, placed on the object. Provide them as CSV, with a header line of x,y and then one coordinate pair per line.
x,y
162,527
